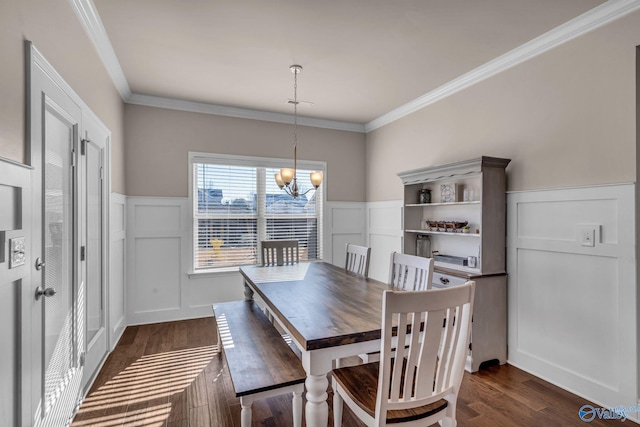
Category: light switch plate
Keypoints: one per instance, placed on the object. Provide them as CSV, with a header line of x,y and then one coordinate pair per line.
x,y
588,234
17,253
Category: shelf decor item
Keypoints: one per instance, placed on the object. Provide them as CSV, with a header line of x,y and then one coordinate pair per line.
x,y
423,246
448,193
424,195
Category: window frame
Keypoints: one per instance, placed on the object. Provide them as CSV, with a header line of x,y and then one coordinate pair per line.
x,y
258,162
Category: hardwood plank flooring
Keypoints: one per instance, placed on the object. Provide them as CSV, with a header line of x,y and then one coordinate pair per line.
x,y
171,375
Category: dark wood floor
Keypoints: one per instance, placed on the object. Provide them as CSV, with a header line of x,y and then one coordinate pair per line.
x,y
170,375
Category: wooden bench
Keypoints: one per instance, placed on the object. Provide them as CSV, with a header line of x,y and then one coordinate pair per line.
x,y
261,364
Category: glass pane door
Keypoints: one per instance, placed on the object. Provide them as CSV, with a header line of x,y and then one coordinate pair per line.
x,y
93,197
60,337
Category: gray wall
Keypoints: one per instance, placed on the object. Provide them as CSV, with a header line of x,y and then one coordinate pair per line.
x,y
158,142
55,31
565,118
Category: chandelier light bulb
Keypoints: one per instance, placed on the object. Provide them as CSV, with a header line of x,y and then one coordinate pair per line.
x,y
287,174
316,178
279,181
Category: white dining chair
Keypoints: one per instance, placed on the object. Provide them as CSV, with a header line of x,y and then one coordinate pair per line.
x,y
410,272
417,384
276,253
279,252
357,259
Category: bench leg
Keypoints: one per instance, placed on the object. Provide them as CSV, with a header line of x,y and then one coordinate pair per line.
x,y
337,406
297,408
245,414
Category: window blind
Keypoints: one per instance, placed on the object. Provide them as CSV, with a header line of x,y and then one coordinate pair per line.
x,y
236,205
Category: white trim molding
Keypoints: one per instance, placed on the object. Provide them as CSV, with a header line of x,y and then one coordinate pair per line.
x,y
88,16
117,268
242,113
588,21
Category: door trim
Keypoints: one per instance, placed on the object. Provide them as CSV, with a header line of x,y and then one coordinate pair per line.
x,y
37,67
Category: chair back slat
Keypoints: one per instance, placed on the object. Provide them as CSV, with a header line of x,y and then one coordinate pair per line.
x,y
357,260
279,252
410,273
435,327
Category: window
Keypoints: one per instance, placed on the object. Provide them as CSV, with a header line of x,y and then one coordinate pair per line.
x,y
237,204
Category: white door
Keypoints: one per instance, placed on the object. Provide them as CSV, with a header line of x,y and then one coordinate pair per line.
x,y
58,291
92,212
56,304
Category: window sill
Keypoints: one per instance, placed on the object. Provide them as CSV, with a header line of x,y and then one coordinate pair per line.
x,y
202,274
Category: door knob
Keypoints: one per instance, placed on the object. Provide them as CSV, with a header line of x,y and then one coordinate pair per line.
x,y
49,292
39,264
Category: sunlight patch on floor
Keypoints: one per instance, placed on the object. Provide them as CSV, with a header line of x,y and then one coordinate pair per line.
x,y
150,380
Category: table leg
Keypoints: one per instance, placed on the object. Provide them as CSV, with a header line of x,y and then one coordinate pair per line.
x,y
248,292
317,410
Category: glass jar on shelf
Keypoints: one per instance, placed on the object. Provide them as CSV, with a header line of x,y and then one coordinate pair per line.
x,y
423,246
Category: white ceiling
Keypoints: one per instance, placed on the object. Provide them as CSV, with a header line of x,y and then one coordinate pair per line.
x,y
361,58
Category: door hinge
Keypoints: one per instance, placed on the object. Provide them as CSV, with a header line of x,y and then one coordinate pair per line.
x,y
83,357
83,254
101,172
83,146
73,158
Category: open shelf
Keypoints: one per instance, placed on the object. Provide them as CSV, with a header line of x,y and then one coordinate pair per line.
x,y
424,205
443,233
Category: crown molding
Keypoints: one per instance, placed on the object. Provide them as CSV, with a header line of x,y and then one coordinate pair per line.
x,y
242,113
588,21
92,24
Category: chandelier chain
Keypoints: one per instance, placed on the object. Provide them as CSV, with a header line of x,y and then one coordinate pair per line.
x,y
295,107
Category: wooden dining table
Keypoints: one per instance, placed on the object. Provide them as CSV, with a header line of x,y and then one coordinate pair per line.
x,y
328,312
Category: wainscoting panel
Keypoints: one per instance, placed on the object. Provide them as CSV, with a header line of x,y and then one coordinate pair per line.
x,y
345,224
339,246
572,307
204,290
160,284
117,266
384,235
16,294
157,274
157,249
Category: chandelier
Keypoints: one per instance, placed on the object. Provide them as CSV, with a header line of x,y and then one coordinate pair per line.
x,y
286,179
